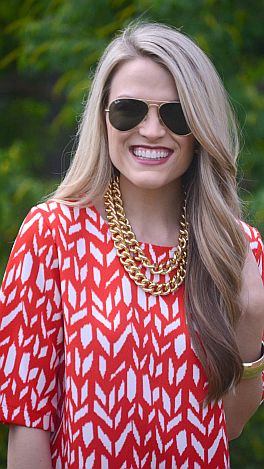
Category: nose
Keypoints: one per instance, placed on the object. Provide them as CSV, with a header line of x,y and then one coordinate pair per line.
x,y
152,127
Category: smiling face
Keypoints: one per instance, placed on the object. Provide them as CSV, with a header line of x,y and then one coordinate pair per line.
x,y
149,156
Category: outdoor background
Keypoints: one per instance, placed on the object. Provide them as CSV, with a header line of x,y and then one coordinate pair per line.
x,y
48,53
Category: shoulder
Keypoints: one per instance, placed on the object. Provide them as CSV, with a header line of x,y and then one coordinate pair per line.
x,y
251,233
56,214
51,212
40,227
253,236
256,243
58,225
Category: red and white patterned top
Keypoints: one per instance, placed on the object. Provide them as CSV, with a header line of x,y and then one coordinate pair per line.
x,y
91,357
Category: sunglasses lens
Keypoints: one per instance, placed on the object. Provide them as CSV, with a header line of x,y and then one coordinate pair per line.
x,y
173,117
125,114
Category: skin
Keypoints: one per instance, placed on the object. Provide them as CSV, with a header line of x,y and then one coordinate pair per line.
x,y
152,194
241,403
152,197
28,448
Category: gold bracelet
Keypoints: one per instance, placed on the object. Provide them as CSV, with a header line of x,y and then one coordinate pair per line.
x,y
253,369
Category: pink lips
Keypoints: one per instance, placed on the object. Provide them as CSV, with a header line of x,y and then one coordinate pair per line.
x,y
146,155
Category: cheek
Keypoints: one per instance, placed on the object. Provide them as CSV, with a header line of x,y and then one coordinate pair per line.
x,y
111,141
111,134
188,147
187,153
114,146
116,140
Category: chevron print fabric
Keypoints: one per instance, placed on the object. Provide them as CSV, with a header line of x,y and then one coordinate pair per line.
x,y
108,369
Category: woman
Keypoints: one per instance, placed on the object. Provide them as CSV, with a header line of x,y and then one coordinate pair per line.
x,y
132,298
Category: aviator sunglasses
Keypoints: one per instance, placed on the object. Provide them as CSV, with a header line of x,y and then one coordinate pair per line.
x,y
127,113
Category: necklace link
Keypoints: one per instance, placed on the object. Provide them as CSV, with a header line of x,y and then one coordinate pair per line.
x,y
131,254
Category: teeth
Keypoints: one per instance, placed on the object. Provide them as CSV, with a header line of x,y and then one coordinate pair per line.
x,y
150,154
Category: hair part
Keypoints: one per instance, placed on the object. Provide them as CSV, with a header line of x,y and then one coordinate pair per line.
x,y
217,246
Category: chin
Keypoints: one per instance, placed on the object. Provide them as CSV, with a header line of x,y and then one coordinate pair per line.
x,y
150,183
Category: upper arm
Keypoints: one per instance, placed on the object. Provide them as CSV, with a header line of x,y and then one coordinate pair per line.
x,y
256,245
28,448
31,340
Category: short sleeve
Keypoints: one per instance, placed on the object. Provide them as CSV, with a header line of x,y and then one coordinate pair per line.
x,y
31,332
256,245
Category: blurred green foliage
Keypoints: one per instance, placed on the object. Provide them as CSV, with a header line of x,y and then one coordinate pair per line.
x,y
48,52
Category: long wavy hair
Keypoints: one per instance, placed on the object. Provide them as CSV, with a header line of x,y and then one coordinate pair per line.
x,y
217,246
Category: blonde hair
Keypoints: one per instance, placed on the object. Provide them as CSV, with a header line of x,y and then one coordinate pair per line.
x,y
217,246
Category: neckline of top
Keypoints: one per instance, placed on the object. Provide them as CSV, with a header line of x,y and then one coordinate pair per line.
x,y
104,223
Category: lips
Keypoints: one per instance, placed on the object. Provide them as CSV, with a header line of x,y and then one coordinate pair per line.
x,y
150,153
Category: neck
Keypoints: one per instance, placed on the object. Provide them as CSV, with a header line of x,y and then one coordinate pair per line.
x,y
154,214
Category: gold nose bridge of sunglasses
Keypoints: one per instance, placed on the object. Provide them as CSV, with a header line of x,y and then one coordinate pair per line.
x,y
157,105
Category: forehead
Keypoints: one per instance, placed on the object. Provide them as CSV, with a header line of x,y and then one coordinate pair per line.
x,y
142,77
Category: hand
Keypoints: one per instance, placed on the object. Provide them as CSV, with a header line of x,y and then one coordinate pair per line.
x,y
249,330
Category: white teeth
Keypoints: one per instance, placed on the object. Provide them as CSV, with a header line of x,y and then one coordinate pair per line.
x,y
150,154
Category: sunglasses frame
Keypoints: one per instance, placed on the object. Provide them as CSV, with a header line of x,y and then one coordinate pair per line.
x,y
149,103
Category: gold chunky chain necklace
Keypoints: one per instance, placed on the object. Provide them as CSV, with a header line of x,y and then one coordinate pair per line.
x,y
132,256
